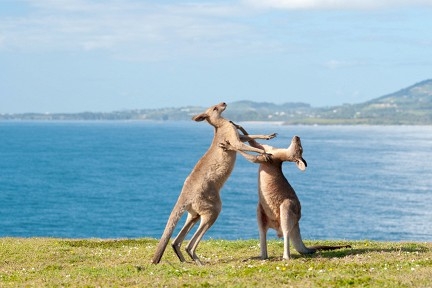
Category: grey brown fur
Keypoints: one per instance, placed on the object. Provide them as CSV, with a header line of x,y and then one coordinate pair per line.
x,y
279,207
200,193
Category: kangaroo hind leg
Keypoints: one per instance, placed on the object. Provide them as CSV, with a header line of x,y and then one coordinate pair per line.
x,y
176,244
286,223
288,220
207,221
262,228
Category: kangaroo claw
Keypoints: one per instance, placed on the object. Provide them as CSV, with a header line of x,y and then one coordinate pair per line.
x,y
225,146
268,157
271,136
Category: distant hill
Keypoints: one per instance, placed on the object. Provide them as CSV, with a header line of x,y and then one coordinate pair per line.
x,y
264,111
409,106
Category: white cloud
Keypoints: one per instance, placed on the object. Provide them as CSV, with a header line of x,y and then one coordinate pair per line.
x,y
338,64
335,4
132,28
143,30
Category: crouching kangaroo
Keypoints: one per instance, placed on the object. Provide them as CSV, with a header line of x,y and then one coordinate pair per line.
x,y
279,207
200,193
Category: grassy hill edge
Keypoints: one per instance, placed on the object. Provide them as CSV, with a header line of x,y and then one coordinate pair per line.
x,y
55,262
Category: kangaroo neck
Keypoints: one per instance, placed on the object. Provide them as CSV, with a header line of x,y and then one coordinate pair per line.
x,y
273,169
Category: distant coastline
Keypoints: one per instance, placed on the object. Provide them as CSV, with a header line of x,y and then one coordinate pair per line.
x,y
275,123
408,106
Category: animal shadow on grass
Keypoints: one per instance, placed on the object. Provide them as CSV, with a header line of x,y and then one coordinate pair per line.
x,y
319,254
341,253
399,247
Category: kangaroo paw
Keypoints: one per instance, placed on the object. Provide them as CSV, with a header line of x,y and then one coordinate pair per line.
x,y
226,146
267,157
271,136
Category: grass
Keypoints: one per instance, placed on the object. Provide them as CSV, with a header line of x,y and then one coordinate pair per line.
x,y
51,262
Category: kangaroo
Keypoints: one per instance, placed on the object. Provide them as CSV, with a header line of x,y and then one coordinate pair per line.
x,y
279,207
200,193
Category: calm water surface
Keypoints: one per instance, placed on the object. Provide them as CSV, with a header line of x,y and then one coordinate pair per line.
x,y
121,179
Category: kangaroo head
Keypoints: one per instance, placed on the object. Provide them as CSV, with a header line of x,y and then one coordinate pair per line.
x,y
294,153
213,115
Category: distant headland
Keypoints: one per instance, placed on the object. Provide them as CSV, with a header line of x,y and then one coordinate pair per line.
x,y
408,106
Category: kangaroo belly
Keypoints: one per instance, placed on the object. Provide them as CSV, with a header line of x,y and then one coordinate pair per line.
x,y
273,190
211,171
221,170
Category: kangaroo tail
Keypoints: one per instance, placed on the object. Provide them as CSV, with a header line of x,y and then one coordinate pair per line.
x,y
173,219
297,241
298,244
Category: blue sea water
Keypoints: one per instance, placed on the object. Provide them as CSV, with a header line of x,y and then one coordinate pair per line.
x,y
121,180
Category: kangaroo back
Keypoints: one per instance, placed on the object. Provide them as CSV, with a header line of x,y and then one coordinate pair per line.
x,y
173,219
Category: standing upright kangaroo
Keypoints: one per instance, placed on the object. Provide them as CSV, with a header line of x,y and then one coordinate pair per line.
x,y
200,193
279,207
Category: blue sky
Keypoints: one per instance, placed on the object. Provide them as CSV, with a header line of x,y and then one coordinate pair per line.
x,y
93,55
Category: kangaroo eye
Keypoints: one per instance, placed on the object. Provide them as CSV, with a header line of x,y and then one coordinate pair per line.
x,y
215,109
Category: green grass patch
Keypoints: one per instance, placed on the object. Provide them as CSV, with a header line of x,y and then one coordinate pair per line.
x,y
51,262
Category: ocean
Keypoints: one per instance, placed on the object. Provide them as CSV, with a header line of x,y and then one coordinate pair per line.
x,y
121,179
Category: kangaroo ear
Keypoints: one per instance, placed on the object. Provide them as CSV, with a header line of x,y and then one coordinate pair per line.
x,y
199,117
301,164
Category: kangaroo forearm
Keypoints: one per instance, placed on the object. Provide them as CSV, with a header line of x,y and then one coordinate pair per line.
x,y
251,141
243,147
253,158
261,136
251,138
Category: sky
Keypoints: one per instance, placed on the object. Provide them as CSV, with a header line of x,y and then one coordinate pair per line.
x,y
67,56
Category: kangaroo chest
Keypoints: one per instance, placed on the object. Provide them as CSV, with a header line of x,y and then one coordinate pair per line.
x,y
273,190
